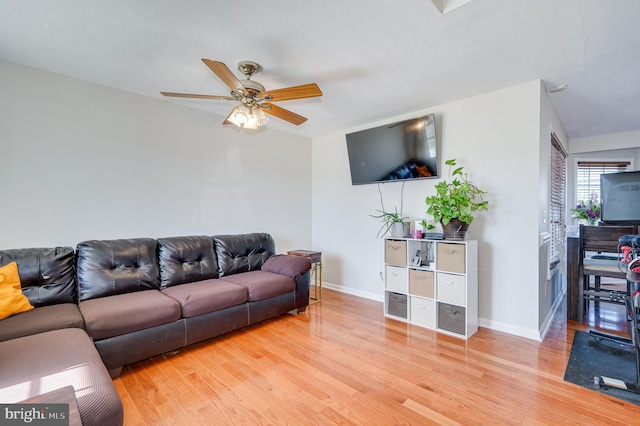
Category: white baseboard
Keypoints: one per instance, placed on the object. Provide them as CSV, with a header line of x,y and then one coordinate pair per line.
x,y
546,325
509,329
353,291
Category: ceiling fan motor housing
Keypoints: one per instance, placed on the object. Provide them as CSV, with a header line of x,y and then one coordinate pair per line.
x,y
252,87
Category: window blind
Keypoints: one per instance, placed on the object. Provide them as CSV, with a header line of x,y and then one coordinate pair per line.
x,y
557,203
588,177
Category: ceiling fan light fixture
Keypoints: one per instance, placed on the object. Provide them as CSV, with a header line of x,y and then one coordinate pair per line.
x,y
248,117
240,116
259,116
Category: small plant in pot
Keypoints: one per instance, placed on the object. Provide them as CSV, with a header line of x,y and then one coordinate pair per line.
x,y
455,201
391,221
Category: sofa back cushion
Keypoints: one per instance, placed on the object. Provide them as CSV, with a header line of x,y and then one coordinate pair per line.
x,y
186,259
47,275
243,253
110,267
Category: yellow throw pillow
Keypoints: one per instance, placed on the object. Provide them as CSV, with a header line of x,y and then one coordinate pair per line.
x,y
12,301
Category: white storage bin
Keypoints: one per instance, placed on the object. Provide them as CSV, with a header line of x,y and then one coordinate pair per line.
x,y
451,288
396,279
423,312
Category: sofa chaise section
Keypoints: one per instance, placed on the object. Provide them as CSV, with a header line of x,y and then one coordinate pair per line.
x,y
46,348
63,357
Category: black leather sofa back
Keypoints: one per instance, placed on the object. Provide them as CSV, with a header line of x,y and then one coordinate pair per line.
x,y
243,253
186,259
110,267
47,275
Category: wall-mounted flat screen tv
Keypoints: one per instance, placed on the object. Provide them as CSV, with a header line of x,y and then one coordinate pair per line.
x,y
399,151
620,198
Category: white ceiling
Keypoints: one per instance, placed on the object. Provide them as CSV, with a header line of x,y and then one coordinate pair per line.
x,y
373,59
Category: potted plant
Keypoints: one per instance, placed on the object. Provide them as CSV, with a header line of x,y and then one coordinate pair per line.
x,y
588,212
391,221
455,201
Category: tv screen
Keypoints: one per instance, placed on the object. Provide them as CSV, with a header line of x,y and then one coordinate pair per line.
x,y
620,193
394,152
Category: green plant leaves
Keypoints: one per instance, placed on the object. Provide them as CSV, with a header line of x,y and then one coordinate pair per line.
x,y
388,219
456,199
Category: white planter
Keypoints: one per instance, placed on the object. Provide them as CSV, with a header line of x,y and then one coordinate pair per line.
x,y
399,229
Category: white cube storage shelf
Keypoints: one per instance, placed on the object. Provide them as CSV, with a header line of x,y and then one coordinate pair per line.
x,y
433,284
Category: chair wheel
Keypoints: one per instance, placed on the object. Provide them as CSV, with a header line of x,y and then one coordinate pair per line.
x,y
596,382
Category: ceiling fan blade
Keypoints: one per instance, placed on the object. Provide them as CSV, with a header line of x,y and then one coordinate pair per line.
x,y
284,114
189,95
224,73
226,120
296,92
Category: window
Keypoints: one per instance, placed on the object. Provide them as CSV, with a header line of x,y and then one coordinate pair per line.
x,y
557,200
588,177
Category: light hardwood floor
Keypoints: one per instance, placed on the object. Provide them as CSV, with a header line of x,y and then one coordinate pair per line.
x,y
342,362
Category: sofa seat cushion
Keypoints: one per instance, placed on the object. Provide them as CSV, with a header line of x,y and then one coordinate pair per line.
x,y
39,320
262,284
41,363
206,296
123,313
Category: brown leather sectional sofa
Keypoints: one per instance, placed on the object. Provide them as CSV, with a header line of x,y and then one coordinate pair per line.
x,y
110,303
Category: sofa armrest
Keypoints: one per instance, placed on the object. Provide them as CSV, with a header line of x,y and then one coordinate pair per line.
x,y
290,266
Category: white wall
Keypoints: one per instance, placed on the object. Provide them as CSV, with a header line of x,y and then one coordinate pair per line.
x,y
605,142
496,137
81,161
550,291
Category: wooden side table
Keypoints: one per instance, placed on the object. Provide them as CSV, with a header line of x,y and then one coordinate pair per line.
x,y
316,272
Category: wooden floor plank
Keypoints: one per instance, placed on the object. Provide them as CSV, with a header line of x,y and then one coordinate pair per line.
x,y
343,363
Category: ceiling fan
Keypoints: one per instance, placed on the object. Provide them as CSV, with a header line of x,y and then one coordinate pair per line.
x,y
253,99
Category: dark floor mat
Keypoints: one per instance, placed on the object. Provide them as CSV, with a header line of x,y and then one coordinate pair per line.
x,y
598,357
